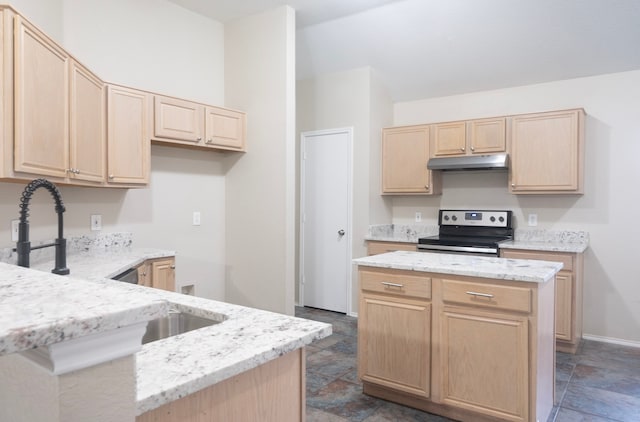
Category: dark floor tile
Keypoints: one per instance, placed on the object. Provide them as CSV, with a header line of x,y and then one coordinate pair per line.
x,y
611,356
327,342
564,369
607,379
346,345
352,377
316,382
344,399
568,415
601,403
317,415
331,364
561,388
347,326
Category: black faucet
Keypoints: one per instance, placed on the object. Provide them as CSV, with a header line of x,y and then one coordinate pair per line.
x,y
23,247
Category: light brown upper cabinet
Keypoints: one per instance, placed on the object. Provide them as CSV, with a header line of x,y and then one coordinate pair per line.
x,y
225,129
178,120
41,89
59,111
128,140
405,152
547,153
483,136
192,124
87,137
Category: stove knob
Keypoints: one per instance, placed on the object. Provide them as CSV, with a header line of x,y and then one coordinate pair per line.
x,y
446,218
501,219
454,218
493,219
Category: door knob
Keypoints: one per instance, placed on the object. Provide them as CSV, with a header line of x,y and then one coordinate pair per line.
x,y
341,232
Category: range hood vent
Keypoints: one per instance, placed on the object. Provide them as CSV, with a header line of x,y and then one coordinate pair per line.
x,y
470,162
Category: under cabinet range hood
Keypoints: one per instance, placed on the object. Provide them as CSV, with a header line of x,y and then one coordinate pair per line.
x,y
470,162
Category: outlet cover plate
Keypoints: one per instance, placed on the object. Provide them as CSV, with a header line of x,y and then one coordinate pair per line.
x,y
14,230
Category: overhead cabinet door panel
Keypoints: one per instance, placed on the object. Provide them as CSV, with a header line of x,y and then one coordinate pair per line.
x,y
41,103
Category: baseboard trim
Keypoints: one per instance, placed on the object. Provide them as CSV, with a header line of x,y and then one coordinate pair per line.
x,y
612,340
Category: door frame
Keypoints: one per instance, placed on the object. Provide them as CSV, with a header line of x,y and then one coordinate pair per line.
x,y
348,235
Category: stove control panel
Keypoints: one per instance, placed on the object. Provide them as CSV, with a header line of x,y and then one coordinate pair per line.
x,y
475,218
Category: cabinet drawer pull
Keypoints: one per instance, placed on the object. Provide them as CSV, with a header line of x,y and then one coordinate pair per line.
x,y
387,284
480,294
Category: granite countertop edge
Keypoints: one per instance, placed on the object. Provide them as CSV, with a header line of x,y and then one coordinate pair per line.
x,y
465,265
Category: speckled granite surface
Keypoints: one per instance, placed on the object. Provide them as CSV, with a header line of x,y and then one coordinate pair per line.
x,y
39,308
472,266
537,240
549,240
87,302
400,232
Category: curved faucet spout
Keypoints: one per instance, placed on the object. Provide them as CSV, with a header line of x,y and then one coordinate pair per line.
x,y
23,247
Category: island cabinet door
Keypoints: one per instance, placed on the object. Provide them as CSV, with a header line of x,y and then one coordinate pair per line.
x,y
485,362
394,336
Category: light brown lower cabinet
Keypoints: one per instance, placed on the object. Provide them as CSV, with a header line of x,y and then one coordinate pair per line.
x,y
158,273
375,247
471,349
568,294
272,392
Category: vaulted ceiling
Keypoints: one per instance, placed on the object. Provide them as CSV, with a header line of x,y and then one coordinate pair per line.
x,y
431,48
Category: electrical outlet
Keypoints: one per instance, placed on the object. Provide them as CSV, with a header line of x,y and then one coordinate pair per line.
x,y
189,289
533,220
15,224
418,216
196,218
96,222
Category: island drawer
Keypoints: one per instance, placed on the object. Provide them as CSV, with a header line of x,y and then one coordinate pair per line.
x,y
565,258
401,283
487,295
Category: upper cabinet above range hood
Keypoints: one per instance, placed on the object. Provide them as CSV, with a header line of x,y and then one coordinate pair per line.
x,y
470,162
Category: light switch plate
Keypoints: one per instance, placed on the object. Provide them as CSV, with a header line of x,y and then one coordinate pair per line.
x,y
533,220
96,222
14,230
196,218
418,217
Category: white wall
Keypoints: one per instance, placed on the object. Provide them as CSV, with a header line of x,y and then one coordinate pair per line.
x,y
148,44
260,189
606,210
353,98
45,14
158,46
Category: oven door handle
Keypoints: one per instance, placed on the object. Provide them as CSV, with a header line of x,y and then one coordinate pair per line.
x,y
457,248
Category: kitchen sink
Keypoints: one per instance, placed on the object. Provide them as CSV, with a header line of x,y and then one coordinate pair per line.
x,y
175,323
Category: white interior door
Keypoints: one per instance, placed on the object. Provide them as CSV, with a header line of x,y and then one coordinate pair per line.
x,y
325,213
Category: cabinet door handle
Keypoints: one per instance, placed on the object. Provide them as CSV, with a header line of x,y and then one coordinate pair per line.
x,y
209,141
199,138
480,294
111,176
426,187
472,149
388,284
462,149
513,185
173,267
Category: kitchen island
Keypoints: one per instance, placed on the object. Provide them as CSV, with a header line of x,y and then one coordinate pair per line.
x,y
467,337
40,310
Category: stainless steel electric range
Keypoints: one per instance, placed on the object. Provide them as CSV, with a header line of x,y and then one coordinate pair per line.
x,y
469,232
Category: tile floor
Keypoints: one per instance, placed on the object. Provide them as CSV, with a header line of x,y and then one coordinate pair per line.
x,y
601,383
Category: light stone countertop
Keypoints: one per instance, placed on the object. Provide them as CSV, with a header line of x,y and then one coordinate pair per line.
x,y
535,240
465,265
39,308
168,369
